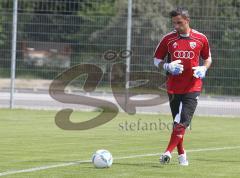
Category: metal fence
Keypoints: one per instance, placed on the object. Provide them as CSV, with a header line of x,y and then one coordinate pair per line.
x,y
53,35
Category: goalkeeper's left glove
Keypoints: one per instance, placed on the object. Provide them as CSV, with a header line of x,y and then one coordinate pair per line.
x,y
199,71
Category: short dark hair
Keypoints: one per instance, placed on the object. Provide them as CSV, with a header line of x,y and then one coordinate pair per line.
x,y
180,11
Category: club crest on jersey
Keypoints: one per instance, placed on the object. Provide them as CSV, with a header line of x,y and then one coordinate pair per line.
x,y
193,45
175,44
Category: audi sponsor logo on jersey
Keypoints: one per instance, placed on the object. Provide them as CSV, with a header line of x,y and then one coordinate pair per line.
x,y
184,54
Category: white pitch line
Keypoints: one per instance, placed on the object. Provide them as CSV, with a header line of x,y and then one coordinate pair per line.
x,y
42,168
188,151
118,158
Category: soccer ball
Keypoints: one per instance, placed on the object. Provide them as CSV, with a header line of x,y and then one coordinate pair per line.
x,y
102,159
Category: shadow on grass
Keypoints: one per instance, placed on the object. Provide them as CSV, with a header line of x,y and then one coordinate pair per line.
x,y
153,165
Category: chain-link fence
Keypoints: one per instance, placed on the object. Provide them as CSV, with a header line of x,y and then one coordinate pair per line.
x,y
53,35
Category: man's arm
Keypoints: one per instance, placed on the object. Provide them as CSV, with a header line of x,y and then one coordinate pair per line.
x,y
207,62
175,67
158,62
200,71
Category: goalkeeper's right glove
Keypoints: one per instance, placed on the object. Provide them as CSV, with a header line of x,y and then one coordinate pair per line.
x,y
175,67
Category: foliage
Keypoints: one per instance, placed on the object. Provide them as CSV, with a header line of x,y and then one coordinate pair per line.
x,y
92,27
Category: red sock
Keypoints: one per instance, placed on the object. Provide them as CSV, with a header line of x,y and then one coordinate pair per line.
x,y
176,137
180,147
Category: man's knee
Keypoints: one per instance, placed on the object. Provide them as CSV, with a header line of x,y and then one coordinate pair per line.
x,y
186,119
179,129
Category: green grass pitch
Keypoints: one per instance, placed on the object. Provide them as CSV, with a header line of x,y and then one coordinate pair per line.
x,y
30,139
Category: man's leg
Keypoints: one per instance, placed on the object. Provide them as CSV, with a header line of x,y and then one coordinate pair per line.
x,y
176,109
189,104
182,118
180,147
176,137
174,102
175,105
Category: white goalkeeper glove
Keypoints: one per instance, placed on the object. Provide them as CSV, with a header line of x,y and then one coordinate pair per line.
x,y
175,67
199,71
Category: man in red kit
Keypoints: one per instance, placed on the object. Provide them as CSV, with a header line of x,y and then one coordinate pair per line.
x,y
184,47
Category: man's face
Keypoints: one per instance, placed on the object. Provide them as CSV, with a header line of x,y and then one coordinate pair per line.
x,y
180,23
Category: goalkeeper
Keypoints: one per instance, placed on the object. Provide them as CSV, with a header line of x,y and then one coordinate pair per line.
x,y
184,46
